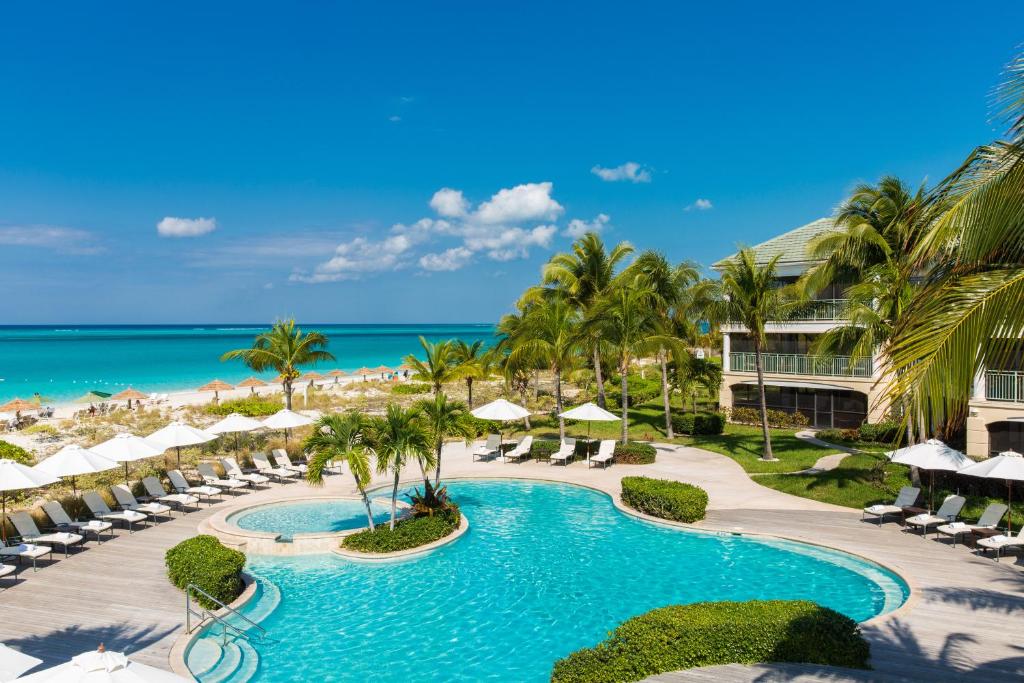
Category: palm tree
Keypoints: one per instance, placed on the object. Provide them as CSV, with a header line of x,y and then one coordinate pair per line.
x,y
285,348
444,419
437,368
694,374
339,437
396,437
472,361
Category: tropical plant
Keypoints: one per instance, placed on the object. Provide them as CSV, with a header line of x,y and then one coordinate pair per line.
x,y
515,371
472,361
339,437
396,437
284,348
438,367
695,374
432,501
444,419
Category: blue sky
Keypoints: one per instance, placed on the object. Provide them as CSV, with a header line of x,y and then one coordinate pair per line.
x,y
418,162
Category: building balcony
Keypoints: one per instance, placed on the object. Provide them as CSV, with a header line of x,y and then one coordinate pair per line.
x,y
819,310
801,364
1004,385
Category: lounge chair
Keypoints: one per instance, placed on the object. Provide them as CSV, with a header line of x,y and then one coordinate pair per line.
x,y
282,460
605,453
907,497
521,451
100,510
156,492
29,532
1002,542
565,452
263,466
25,551
180,484
8,569
988,520
210,478
948,512
490,447
232,470
126,501
62,520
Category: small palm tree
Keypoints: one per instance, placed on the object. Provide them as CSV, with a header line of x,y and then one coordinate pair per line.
x,y
472,361
696,374
336,438
396,437
285,348
438,368
444,419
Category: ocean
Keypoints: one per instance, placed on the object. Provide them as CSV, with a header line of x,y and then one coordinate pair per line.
x,y
62,362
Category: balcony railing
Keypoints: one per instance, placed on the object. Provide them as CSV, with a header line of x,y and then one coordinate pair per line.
x,y
1004,385
820,309
801,364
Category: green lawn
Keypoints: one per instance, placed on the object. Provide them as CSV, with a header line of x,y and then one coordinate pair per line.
x,y
744,444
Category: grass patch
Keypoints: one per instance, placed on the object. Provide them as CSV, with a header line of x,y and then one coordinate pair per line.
x,y
744,444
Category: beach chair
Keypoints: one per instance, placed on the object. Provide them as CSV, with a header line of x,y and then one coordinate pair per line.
x,y
62,520
180,484
605,454
156,492
1002,542
29,532
210,478
126,501
9,570
906,497
490,447
521,451
100,510
263,466
947,512
988,520
282,460
565,452
232,470
24,551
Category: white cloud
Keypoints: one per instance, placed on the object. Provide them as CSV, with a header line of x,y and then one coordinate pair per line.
x,y
631,171
449,203
578,228
359,256
527,202
700,205
449,259
185,227
62,240
511,243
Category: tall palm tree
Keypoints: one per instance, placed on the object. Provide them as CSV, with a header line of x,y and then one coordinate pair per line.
x,y
339,437
444,419
396,437
285,348
438,367
472,361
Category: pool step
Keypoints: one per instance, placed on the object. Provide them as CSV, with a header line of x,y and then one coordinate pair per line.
x,y
204,656
226,666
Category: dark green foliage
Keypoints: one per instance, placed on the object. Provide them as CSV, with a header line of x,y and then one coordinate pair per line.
x,y
776,418
411,532
708,633
431,502
841,436
641,390
698,423
16,453
635,453
480,427
205,562
666,499
410,388
543,448
880,432
252,406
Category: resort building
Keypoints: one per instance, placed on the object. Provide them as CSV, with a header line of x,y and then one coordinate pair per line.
x,y
995,413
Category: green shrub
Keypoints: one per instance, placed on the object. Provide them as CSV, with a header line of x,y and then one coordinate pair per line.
x,y
205,562
699,423
634,453
709,633
252,406
480,427
411,532
776,418
410,388
880,432
15,453
839,435
543,448
664,498
640,389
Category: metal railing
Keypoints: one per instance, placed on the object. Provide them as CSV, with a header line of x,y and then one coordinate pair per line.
x,y
1004,385
801,364
820,309
204,614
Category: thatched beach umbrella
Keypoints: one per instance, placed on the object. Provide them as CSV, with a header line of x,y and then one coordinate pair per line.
x,y
382,369
129,395
336,374
311,377
364,372
19,405
216,386
252,383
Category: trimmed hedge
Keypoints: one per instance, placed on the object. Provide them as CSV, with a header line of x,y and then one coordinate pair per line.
x,y
543,448
408,533
207,563
411,388
881,432
839,436
776,418
699,423
635,453
709,633
666,499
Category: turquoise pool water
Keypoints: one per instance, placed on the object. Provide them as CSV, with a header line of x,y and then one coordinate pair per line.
x,y
289,519
545,569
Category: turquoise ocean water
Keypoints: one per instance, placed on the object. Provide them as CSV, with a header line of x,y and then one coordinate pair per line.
x,y
62,362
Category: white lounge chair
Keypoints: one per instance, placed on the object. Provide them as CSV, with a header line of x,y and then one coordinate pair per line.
x,y
126,501
988,520
30,533
947,512
263,466
210,478
521,451
1002,542
490,447
565,452
180,484
100,510
62,520
8,569
906,497
605,454
25,551
282,460
232,470
157,492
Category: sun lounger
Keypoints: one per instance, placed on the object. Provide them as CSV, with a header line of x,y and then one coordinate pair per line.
x,y
1002,542
565,452
100,510
282,460
25,551
126,501
907,497
232,470
988,520
55,511
605,454
521,451
30,533
263,466
948,512
180,484
210,477
157,492
7,570
490,447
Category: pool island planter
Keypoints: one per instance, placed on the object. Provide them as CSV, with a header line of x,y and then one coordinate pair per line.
x,y
409,552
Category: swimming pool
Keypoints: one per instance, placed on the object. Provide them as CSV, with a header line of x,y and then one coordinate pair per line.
x,y
545,569
304,517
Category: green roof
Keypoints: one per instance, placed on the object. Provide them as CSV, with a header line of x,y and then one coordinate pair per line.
x,y
790,247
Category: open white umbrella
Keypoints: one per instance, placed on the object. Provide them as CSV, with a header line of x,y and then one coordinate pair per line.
x,y
1008,465
127,448
931,455
500,410
13,477
14,663
100,666
589,412
235,423
178,434
286,419
73,460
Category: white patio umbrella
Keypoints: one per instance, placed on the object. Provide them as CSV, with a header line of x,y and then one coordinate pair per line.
x,y
178,434
13,477
14,663
931,455
589,412
100,666
1008,465
73,460
127,448
235,423
500,410
286,419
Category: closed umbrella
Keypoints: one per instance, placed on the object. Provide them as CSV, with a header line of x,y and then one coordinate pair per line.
x,y
178,434
73,460
588,412
1008,465
931,455
14,477
500,410
14,663
127,448
100,666
235,423
286,419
